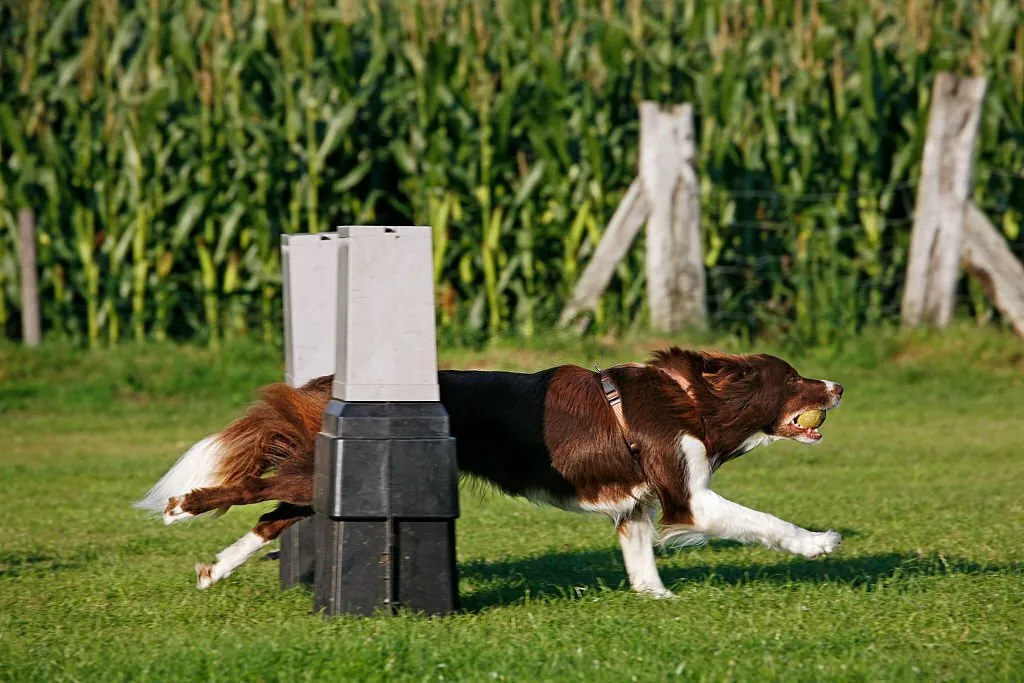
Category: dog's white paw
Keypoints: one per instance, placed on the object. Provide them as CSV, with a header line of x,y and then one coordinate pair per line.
x,y
813,544
174,512
204,576
657,592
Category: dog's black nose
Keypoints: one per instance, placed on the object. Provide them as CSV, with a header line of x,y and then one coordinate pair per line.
x,y
839,390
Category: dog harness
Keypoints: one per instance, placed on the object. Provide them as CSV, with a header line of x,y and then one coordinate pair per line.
x,y
611,394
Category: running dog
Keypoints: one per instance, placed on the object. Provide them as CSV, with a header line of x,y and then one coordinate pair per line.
x,y
623,442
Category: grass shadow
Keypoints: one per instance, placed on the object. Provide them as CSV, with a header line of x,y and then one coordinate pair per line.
x,y
573,574
14,565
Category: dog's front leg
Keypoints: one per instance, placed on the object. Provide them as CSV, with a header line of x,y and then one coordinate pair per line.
x,y
713,515
636,536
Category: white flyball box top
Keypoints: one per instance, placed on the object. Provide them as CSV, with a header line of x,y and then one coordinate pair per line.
x,y
387,344
309,266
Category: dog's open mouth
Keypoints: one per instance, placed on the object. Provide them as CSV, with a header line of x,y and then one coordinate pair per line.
x,y
804,426
807,423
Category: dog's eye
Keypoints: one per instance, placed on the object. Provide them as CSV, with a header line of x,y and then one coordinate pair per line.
x,y
793,380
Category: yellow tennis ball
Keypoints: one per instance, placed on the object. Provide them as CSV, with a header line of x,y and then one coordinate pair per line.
x,y
812,419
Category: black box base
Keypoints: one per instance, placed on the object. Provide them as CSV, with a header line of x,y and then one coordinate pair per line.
x,y
386,500
298,555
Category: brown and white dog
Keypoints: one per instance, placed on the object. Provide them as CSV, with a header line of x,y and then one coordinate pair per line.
x,y
621,443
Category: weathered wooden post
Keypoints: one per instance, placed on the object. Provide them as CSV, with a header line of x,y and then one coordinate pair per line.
x,y
675,267
666,197
309,270
31,327
929,294
987,258
622,229
386,477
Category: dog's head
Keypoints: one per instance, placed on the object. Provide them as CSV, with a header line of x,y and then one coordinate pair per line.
x,y
766,394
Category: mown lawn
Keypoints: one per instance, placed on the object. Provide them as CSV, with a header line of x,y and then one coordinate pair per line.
x,y
921,469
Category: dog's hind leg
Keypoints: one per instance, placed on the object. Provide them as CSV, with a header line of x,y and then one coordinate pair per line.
x,y
289,489
636,536
235,555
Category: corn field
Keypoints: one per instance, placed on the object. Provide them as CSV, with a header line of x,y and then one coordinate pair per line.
x,y
164,146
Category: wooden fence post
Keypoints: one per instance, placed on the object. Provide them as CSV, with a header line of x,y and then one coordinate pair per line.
x,y
31,327
988,259
675,267
929,294
618,236
665,196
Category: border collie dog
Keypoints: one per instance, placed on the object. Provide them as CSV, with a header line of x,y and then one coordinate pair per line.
x,y
623,443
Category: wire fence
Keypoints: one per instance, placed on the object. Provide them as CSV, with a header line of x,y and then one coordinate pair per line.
x,y
810,266
819,276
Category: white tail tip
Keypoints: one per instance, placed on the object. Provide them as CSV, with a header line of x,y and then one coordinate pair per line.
x,y
196,469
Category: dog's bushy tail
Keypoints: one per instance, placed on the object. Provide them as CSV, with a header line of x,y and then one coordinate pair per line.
x,y
278,429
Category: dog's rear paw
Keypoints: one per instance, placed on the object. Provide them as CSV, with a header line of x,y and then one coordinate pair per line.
x,y
204,576
814,544
174,511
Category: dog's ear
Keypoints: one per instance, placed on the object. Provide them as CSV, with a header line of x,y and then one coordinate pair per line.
x,y
722,369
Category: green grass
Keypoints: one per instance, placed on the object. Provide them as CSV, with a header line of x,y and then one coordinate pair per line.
x,y
920,470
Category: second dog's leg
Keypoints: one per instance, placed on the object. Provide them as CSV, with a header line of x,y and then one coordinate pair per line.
x,y
235,555
636,536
